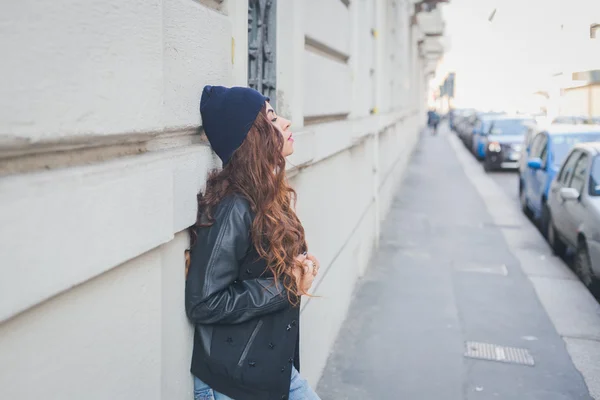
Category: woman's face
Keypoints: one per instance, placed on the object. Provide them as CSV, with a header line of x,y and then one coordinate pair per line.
x,y
283,126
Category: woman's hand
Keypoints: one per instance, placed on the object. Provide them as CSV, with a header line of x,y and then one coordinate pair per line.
x,y
306,275
316,263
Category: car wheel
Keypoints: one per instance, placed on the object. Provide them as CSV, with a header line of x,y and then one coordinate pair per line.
x,y
559,247
544,219
583,266
523,201
487,167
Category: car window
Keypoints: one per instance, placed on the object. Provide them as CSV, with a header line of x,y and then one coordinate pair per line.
x,y
580,173
544,152
536,146
562,144
515,127
567,170
485,127
529,136
595,177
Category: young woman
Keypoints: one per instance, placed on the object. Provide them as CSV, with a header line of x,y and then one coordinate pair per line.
x,y
248,265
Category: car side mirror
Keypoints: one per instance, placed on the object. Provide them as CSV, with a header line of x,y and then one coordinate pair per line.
x,y
534,163
569,194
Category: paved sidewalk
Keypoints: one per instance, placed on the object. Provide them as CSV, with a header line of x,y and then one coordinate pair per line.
x,y
445,275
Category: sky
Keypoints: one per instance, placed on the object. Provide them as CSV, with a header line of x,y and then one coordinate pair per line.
x,y
499,64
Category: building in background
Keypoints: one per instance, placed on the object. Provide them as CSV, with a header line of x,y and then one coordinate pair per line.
x,y
574,90
101,160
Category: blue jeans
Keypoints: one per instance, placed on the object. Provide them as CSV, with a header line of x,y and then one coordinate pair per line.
x,y
299,390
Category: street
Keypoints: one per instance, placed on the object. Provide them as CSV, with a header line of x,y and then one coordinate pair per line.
x,y
464,299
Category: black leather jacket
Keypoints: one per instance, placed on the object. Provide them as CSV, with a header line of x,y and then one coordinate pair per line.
x,y
246,337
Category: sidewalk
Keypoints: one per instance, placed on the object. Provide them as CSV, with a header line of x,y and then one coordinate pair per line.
x,y
444,275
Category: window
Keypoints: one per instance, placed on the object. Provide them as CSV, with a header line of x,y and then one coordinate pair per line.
x,y
562,144
516,127
536,145
544,153
529,135
261,47
595,177
567,170
580,174
485,127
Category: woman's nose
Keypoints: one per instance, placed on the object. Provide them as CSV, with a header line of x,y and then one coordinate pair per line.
x,y
286,124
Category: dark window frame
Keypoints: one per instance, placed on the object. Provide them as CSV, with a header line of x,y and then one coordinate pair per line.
x,y
574,155
584,157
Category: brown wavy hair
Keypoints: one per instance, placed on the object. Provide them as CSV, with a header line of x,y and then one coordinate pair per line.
x,y
256,171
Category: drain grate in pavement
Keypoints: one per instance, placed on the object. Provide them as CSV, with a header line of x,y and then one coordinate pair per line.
x,y
492,352
495,269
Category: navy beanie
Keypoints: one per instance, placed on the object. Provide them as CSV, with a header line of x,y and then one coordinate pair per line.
x,y
227,116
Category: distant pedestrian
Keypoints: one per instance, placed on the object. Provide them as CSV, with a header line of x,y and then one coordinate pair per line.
x,y
248,261
433,120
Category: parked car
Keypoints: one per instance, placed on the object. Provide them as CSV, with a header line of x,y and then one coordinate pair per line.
x,y
572,120
574,210
464,126
532,131
480,132
471,126
504,141
458,117
545,155
451,115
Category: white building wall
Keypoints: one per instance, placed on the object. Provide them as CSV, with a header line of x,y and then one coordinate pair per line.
x,y
100,163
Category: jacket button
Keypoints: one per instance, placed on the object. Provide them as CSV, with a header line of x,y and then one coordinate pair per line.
x,y
271,345
291,360
252,363
284,397
248,271
294,323
229,339
288,327
282,369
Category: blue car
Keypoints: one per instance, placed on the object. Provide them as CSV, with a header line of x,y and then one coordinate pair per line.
x,y
480,132
544,156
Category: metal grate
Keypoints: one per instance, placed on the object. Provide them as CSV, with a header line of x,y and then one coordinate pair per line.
x,y
492,352
261,47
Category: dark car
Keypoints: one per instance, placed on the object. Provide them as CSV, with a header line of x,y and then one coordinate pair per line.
x,y
471,127
459,117
480,132
464,125
574,211
504,141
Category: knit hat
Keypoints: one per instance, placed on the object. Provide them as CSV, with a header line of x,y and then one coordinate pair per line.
x,y
227,116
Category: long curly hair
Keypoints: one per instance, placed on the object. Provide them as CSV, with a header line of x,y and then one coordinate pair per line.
x,y
256,171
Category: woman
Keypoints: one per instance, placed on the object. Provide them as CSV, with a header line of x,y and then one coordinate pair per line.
x,y
249,264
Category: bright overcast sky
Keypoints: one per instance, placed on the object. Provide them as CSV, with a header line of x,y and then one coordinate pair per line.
x,y
501,62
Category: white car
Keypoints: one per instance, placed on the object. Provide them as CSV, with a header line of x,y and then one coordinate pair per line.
x,y
574,206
